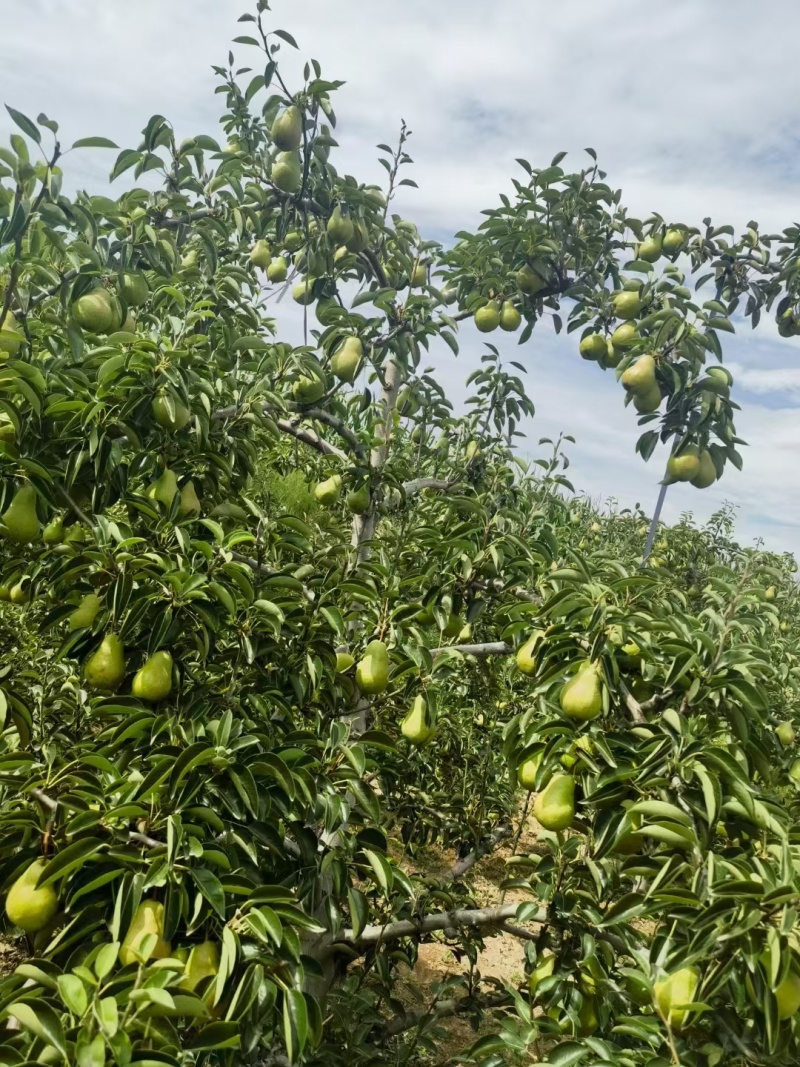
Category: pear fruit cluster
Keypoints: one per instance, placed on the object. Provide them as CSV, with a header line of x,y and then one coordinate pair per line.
x,y
642,385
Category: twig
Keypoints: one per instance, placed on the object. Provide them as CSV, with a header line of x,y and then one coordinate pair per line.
x,y
75,508
483,849
311,438
490,648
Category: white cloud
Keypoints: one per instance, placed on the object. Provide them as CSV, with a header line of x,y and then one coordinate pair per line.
x,y
692,114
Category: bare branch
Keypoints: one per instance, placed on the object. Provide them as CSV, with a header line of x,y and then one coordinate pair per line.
x,y
76,510
418,484
484,848
490,648
144,839
336,424
518,931
311,438
476,918
45,800
632,704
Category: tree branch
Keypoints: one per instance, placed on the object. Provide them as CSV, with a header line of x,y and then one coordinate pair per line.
x,y
336,424
133,835
476,918
311,438
441,1009
418,484
76,510
632,704
490,648
483,849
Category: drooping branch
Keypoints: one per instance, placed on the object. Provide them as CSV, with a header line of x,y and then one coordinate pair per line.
x,y
483,849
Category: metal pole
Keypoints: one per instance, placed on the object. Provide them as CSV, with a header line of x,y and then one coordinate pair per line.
x,y
651,533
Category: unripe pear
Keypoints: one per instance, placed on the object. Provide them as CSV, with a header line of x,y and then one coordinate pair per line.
x,y
650,249
287,129
372,670
786,733
190,502
626,304
340,226
5,592
27,907
487,318
153,681
105,669
529,281
554,807
624,336
527,771
675,993
21,592
684,467
85,613
640,377
417,727
190,259
360,239
510,317
582,696
203,963
134,289
453,626
358,500
303,292
309,389
149,919
526,653
94,311
170,413
646,403
20,520
260,255
328,492
473,451
419,275
10,336
707,471
287,173
164,489
593,346
347,359
294,240
794,771
673,241
787,994
770,593
278,270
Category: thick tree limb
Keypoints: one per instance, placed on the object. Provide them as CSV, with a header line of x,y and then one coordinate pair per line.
x,y
441,485
490,648
483,849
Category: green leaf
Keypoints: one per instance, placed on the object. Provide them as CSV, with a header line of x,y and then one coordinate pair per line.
x,y
25,124
73,856
211,888
94,142
42,1021
216,1035
73,993
295,1024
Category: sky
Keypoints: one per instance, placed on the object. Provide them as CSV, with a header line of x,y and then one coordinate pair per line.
x,y
692,107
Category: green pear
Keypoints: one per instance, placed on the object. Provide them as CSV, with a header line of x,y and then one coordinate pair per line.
x,y
418,727
685,466
473,451
278,270
190,502
543,969
510,317
375,195
203,962
487,318
787,995
419,275
453,626
407,402
626,304
149,919
94,311
650,249
134,289
260,255
303,292
164,489
624,336
770,593
718,380
20,520
170,413
673,241
27,907
529,281
8,431
346,360
554,807
344,661
287,173
86,612
153,681
10,336
526,653
308,389
581,697
287,129
294,240
21,592
329,491
640,377
707,471
358,500
646,403
5,592
360,239
372,670
190,260
105,668
786,733
527,771
593,346
675,993
53,533
340,226
794,771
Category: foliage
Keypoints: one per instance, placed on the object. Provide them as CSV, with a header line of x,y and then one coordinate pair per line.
x,y
174,443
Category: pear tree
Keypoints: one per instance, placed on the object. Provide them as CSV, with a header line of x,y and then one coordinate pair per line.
x,y
275,617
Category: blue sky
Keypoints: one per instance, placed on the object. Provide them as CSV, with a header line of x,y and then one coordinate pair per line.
x,y
692,107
